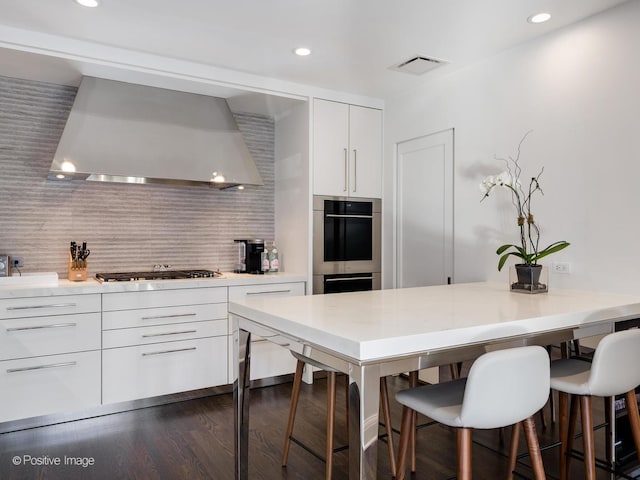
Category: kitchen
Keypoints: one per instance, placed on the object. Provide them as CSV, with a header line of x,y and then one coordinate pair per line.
x,y
533,86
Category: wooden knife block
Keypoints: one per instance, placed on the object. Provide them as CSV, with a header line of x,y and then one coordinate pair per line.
x,y
77,274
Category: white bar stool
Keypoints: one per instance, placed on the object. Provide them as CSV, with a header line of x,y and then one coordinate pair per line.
x,y
503,388
614,370
331,413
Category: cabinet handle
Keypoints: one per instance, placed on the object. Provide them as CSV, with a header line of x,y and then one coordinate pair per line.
x,y
355,169
40,367
56,305
346,279
162,352
346,169
269,291
155,317
149,335
57,325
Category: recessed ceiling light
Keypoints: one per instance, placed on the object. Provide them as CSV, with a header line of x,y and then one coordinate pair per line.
x,y
539,18
302,51
88,3
68,166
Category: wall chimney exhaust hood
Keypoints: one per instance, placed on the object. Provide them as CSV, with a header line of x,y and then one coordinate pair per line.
x,y
123,132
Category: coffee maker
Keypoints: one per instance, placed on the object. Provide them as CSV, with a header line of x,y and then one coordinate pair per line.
x,y
249,256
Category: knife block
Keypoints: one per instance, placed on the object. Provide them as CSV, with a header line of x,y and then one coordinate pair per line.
x,y
77,274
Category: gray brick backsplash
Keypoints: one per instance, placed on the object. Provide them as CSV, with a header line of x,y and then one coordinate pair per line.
x,y
127,227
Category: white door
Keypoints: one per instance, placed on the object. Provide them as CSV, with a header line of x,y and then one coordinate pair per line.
x,y
424,211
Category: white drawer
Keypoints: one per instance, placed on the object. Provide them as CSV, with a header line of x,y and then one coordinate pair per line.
x,y
44,385
145,371
160,316
163,298
46,306
240,293
127,337
37,336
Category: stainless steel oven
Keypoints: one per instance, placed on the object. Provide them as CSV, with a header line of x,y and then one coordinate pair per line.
x,y
346,244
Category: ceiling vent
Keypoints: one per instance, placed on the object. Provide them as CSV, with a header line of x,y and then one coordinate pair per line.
x,y
418,65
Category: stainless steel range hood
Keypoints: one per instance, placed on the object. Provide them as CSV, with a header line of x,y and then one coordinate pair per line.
x,y
122,132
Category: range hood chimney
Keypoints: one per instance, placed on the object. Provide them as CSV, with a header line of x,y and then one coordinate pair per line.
x,y
123,132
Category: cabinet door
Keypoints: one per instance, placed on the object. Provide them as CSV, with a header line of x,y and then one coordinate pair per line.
x,y
330,148
365,151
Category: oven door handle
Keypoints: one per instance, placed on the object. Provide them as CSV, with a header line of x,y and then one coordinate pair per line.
x,y
345,279
337,215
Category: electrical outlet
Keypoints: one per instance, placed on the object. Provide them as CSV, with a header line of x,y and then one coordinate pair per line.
x,y
17,262
561,267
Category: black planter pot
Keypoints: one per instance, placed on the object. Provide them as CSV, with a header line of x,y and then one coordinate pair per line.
x,y
528,274
528,279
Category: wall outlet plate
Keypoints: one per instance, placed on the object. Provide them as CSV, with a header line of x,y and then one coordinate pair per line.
x,y
561,267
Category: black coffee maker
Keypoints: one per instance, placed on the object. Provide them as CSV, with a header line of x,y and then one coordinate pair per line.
x,y
249,256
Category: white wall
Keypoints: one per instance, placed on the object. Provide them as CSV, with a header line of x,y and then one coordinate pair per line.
x,y
579,91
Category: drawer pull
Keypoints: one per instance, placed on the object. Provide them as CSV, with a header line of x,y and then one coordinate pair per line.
x,y
37,327
40,367
146,354
149,335
155,317
53,305
269,291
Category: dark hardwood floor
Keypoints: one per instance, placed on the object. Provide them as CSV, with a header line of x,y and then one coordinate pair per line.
x,y
194,440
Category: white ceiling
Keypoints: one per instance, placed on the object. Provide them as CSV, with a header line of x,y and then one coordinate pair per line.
x,y
354,42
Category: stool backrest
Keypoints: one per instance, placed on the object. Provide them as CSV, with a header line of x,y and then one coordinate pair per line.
x,y
505,387
616,364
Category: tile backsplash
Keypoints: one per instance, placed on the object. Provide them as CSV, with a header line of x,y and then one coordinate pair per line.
x,y
127,227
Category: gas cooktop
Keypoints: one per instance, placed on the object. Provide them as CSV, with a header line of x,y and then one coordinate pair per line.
x,y
161,275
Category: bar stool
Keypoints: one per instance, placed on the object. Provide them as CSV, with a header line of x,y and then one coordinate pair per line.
x,y
614,370
331,411
503,388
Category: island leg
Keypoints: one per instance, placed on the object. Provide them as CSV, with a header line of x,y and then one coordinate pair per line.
x,y
242,352
364,405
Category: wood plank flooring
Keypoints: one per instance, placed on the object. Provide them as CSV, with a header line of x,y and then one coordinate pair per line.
x,y
194,440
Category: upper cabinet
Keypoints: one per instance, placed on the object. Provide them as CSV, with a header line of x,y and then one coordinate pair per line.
x,y
347,150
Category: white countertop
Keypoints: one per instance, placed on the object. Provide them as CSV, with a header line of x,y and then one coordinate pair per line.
x,y
377,324
66,287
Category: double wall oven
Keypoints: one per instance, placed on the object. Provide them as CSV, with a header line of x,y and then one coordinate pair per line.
x,y
346,244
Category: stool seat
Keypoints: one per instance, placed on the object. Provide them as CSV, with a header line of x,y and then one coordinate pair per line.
x,y
571,376
442,400
313,363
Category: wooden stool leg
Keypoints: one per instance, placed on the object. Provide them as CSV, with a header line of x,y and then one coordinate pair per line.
x,y
513,449
464,454
413,382
571,432
563,407
587,438
331,415
295,393
534,448
406,428
386,413
634,418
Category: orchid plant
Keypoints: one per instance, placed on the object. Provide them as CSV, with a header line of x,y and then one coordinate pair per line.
x,y
528,250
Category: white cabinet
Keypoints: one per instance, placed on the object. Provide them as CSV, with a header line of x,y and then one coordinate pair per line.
x,y
49,355
267,358
162,342
347,150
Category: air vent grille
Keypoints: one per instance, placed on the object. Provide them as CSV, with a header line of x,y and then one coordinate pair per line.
x,y
418,65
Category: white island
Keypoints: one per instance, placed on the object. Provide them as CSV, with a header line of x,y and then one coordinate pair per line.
x,y
372,334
